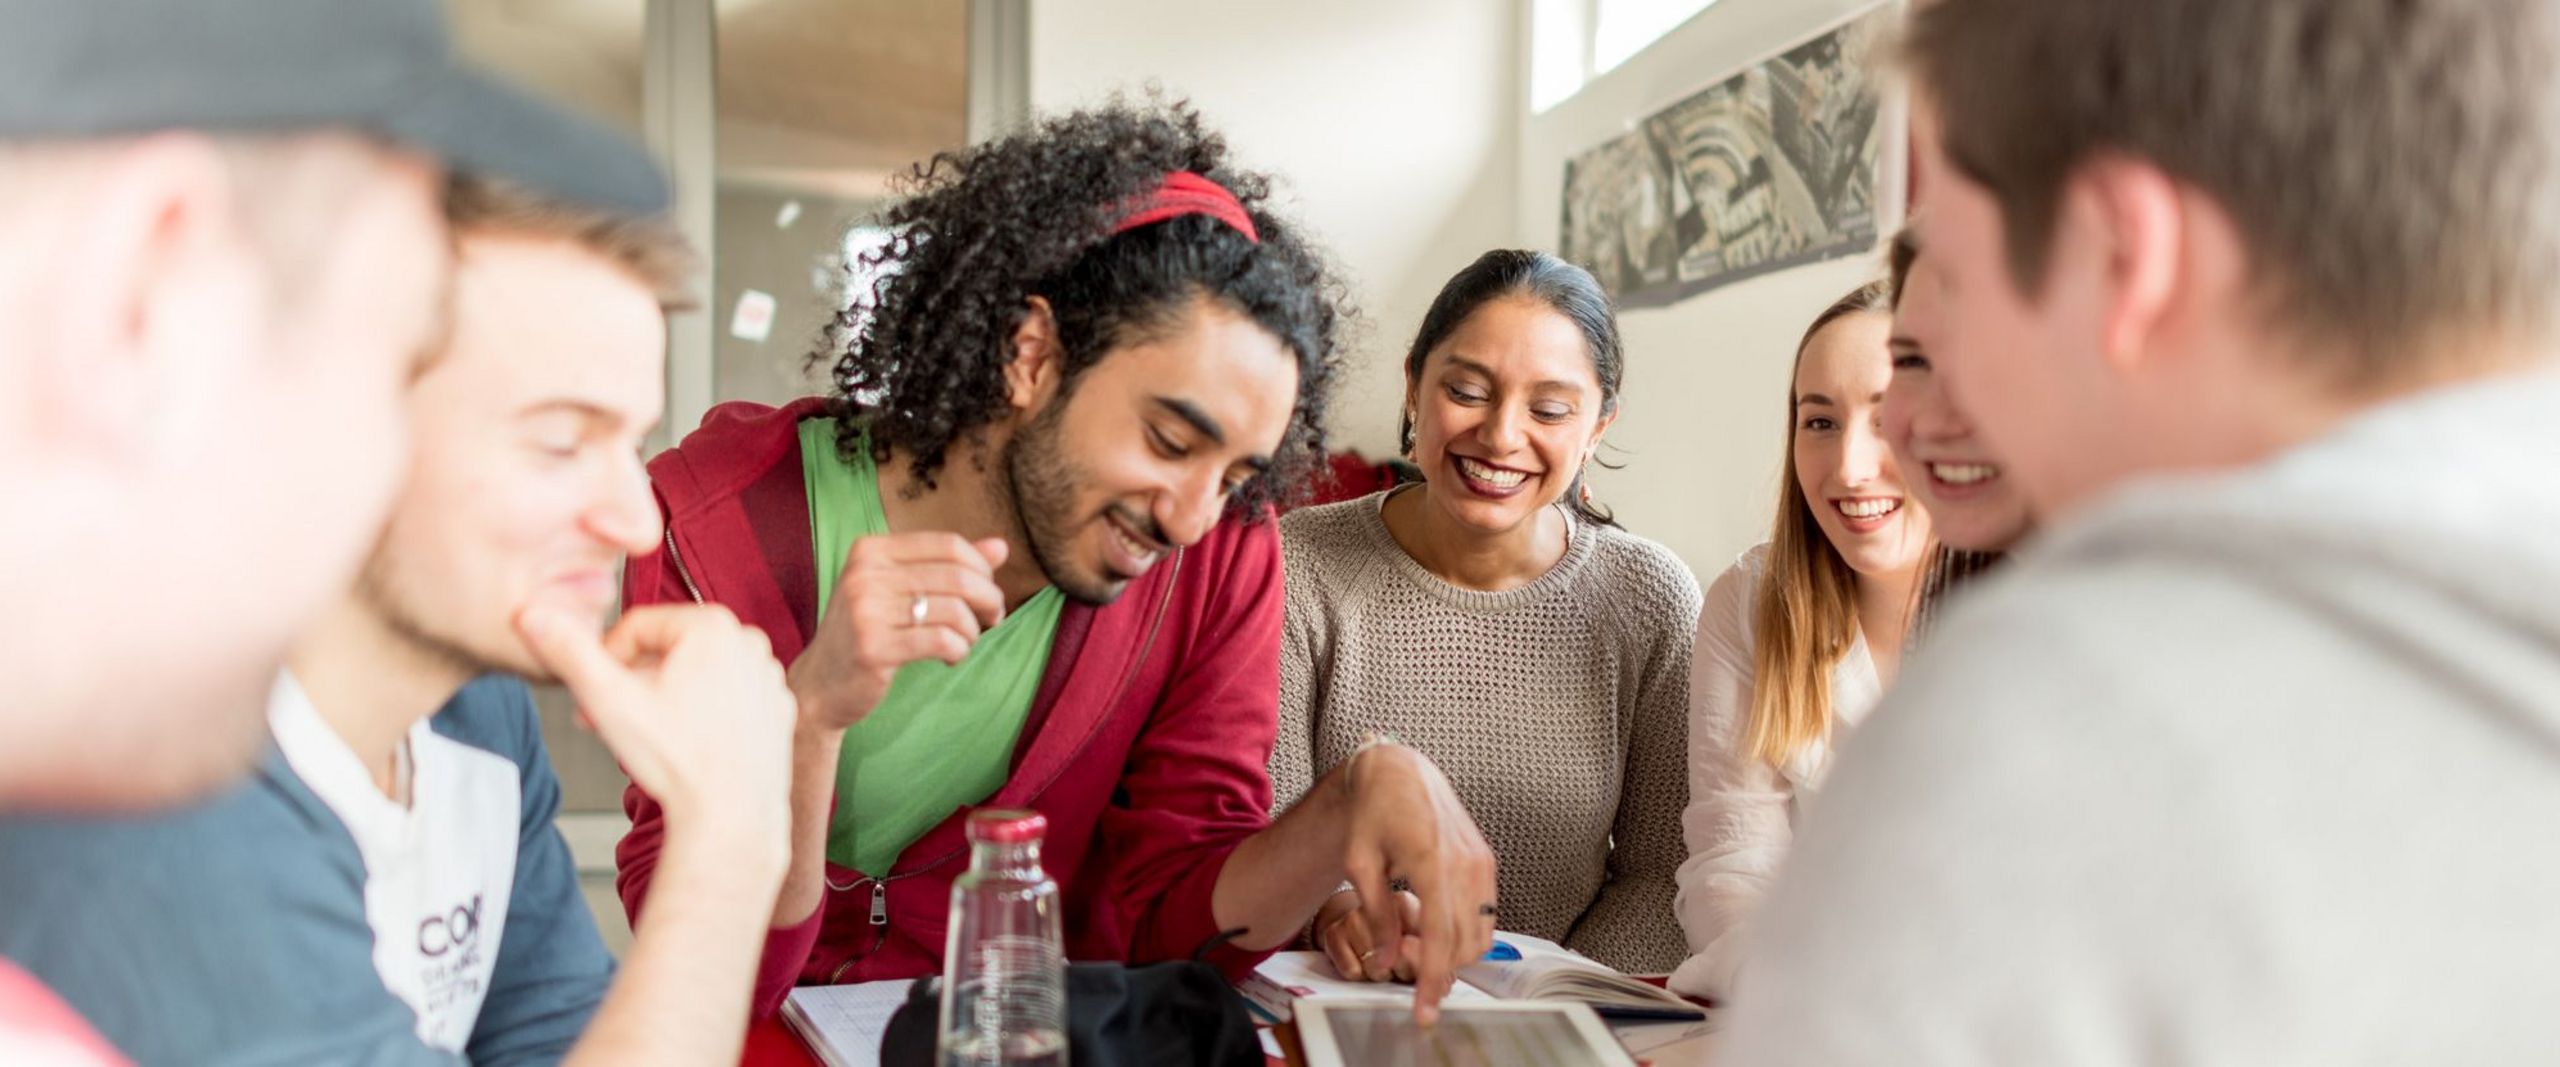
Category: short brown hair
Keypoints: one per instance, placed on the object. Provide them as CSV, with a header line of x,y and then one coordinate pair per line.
x,y
649,248
2389,164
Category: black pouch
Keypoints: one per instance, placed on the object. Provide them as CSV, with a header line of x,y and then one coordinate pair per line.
x,y
1159,1015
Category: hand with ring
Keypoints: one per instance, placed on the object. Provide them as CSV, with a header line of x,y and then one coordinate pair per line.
x,y
1343,933
1405,822
901,598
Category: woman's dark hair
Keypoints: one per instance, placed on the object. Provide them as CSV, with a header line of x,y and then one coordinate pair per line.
x,y
1567,289
1898,258
1950,568
920,356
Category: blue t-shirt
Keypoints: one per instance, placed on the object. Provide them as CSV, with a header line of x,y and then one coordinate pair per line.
x,y
234,931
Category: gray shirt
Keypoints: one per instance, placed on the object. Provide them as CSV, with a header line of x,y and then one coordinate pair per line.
x,y
2261,768
1558,710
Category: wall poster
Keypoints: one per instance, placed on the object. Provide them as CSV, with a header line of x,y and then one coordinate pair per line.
x,y
1779,165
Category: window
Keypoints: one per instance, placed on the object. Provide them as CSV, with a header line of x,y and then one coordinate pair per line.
x,y
1621,28
1574,41
858,277
1559,50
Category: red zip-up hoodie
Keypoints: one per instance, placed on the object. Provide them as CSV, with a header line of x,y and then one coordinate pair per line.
x,y
1146,747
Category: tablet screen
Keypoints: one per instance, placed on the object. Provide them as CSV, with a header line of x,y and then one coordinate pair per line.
x,y
1386,1034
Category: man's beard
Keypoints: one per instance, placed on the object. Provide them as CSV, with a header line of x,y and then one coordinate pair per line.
x,y
381,589
1039,489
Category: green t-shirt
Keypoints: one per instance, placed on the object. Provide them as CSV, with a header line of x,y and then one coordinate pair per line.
x,y
943,735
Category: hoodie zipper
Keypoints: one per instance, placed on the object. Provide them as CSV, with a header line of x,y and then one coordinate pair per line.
x,y
677,558
879,911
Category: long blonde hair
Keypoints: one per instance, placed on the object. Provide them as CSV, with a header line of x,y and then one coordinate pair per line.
x,y
1807,614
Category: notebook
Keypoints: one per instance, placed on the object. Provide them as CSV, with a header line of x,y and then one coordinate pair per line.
x,y
843,1024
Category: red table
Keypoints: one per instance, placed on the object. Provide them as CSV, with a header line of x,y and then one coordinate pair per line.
x,y
772,1044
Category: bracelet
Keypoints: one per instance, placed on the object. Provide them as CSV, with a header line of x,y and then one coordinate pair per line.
x,y
1351,763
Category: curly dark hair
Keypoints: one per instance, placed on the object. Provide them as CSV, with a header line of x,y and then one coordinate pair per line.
x,y
921,356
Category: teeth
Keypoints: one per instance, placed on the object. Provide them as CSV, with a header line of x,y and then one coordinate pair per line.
x,y
1489,475
1136,550
1868,508
1964,473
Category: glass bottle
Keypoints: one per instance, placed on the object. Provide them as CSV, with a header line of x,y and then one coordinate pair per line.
x,y
1004,979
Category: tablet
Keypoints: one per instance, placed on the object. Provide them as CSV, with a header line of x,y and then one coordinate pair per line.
x,y
1368,1032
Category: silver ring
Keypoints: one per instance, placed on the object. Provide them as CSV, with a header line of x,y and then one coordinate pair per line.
x,y
915,611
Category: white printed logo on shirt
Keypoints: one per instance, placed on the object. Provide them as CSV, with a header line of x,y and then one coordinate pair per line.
x,y
438,873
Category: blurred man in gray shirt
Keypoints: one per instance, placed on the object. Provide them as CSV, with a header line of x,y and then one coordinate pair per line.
x,y
2254,758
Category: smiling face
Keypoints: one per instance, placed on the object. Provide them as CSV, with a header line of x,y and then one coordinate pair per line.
x,y
1949,469
1842,465
2027,367
1506,410
1141,452
528,487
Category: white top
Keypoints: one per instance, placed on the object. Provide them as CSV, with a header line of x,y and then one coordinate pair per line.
x,y
1741,812
2253,769
438,871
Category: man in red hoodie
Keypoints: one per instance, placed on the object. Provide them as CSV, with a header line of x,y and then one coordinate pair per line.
x,y
1021,558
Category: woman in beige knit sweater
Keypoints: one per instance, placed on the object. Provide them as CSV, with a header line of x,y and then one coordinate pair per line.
x,y
1495,619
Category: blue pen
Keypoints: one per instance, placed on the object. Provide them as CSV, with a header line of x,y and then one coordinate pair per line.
x,y
1502,951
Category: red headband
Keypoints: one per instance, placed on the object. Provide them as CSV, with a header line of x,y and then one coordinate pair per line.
x,y
1184,193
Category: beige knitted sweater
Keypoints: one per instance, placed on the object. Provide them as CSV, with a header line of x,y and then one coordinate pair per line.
x,y
1559,711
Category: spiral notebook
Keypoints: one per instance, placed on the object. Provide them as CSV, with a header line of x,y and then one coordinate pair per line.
x,y
843,1023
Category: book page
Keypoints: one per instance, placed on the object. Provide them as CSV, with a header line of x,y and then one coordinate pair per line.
x,y
1286,976
844,1023
1525,978
1546,970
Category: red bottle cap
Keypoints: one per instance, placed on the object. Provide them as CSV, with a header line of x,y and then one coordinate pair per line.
x,y
1007,826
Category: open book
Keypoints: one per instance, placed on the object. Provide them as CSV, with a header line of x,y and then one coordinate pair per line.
x,y
1544,971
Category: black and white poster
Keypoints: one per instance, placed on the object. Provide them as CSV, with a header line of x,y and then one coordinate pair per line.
x,y
1780,165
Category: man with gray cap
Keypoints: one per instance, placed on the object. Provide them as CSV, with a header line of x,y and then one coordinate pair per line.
x,y
221,261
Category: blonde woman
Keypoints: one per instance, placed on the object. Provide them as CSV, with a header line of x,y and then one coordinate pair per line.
x,y
1799,638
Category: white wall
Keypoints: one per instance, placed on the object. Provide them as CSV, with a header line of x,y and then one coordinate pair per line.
x,y
1705,417
1401,132
1393,124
